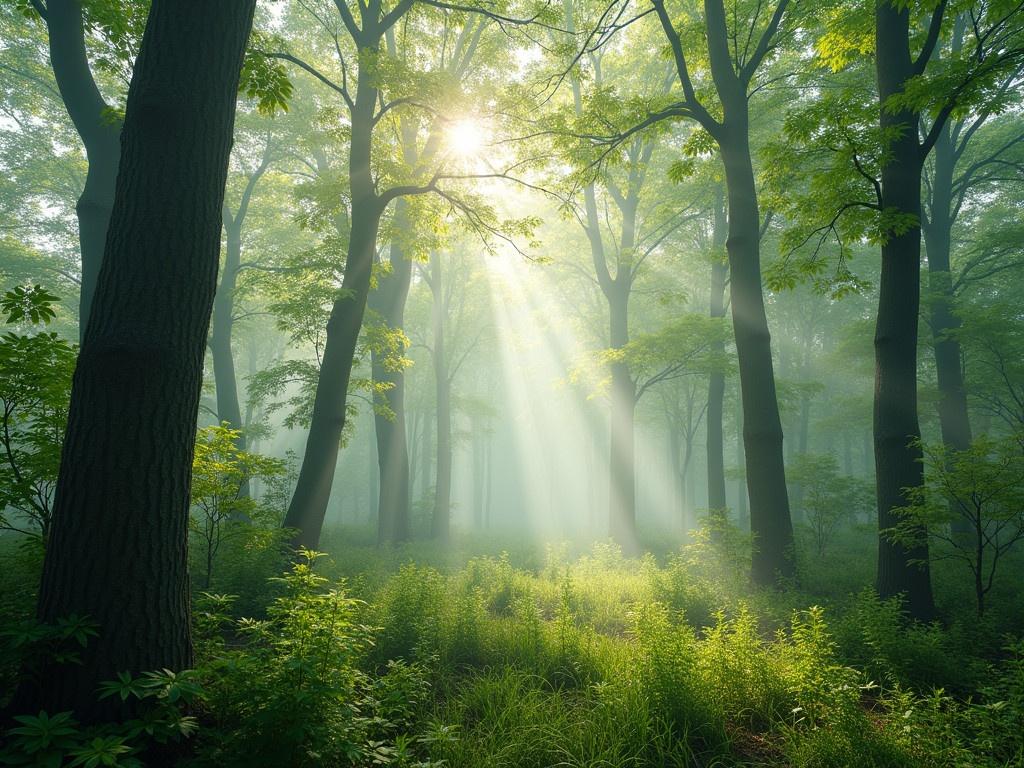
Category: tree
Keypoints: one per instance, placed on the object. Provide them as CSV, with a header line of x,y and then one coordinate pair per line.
x,y
454,63
369,100
96,120
221,349
829,498
716,380
985,485
872,189
734,74
970,154
117,550
901,102
626,218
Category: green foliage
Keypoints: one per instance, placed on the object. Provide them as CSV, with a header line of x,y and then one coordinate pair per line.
x,y
161,698
263,78
28,302
827,498
971,507
292,691
35,387
221,512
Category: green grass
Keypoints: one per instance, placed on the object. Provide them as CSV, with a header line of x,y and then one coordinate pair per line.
x,y
492,653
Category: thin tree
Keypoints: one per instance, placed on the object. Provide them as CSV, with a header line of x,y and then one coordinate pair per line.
x,y
733,72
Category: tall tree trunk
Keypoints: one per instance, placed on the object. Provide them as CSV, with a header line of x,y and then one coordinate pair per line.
x,y
675,458
223,322
388,301
897,455
954,419
99,131
716,381
440,527
743,511
622,475
118,549
316,476
488,481
687,481
770,520
228,408
413,433
478,439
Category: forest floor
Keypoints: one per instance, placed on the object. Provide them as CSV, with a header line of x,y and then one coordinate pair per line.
x,y
489,653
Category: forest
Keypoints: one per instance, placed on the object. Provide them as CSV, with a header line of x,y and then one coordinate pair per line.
x,y
512,383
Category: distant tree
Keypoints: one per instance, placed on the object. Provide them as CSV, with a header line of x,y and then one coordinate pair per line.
x,y
993,339
985,484
73,28
373,91
828,499
223,321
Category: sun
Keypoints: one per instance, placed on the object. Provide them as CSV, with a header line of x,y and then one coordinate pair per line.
x,y
465,138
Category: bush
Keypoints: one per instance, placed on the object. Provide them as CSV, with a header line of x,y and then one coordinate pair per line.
x,y
292,690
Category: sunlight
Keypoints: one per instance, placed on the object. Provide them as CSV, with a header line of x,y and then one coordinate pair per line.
x,y
466,138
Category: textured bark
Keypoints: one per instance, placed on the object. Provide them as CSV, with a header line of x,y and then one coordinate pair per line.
x,y
716,381
388,301
118,550
440,526
897,458
99,131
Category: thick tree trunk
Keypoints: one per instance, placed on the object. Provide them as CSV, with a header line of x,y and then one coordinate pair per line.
x,y
388,301
440,527
99,132
716,381
762,429
118,548
897,457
